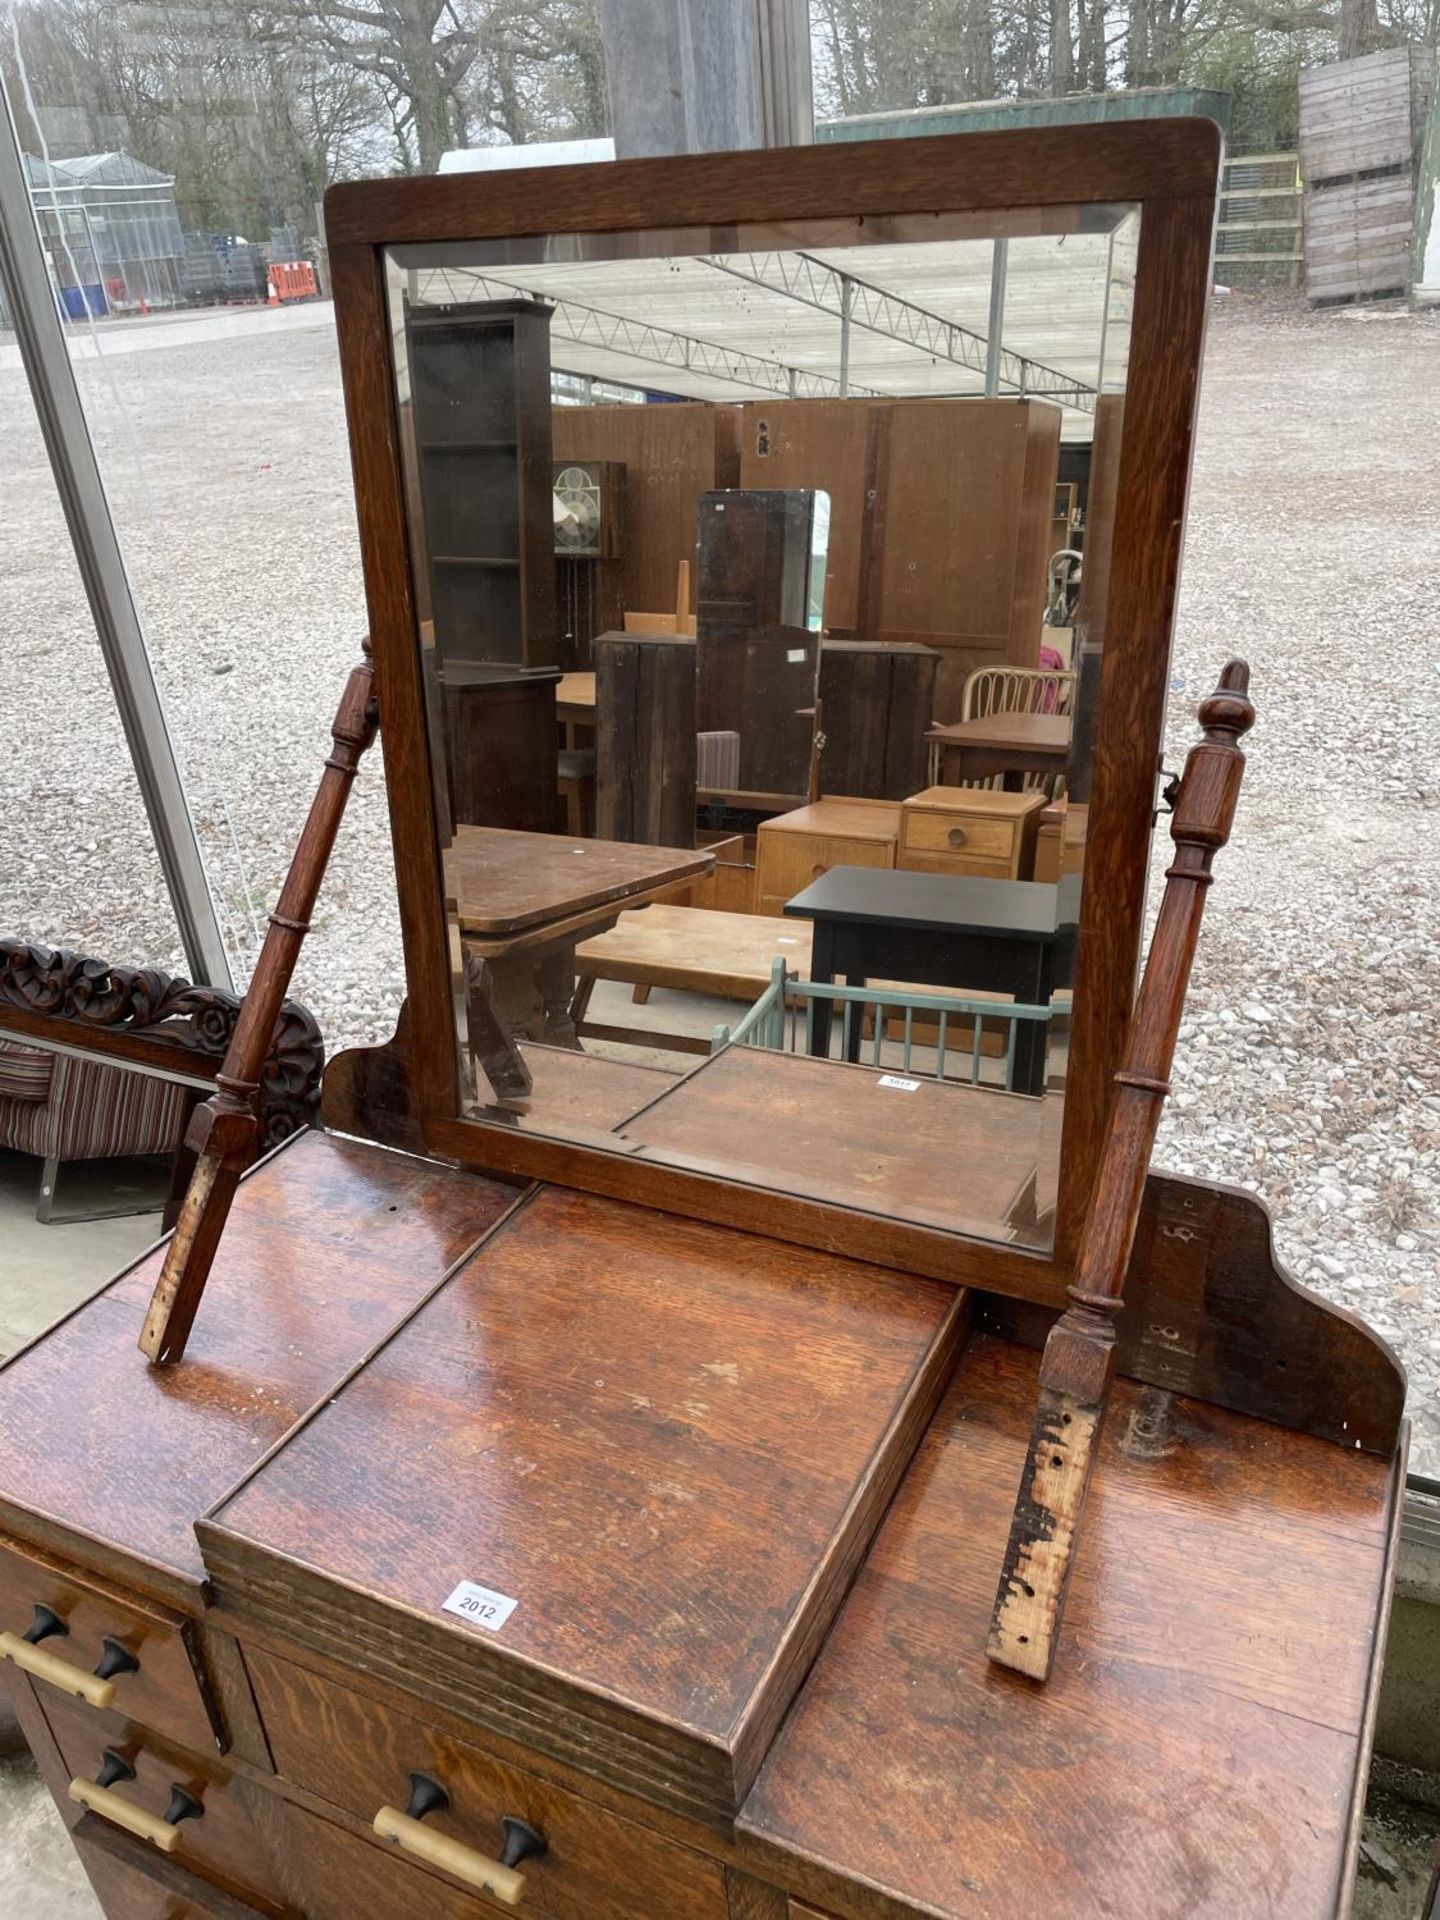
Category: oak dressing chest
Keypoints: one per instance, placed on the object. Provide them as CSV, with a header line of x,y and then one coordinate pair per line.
x,y
603,1521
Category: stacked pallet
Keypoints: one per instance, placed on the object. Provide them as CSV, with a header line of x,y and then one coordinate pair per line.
x,y
1257,235
1362,123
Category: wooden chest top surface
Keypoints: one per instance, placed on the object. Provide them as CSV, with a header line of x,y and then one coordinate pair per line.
x,y
1197,1747
840,816
329,1243
652,1434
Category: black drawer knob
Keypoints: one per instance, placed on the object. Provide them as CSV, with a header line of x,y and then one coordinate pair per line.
x,y
113,1766
522,1842
45,1623
115,1659
426,1796
183,1806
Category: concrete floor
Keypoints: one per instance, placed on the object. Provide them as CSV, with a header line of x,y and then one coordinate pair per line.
x,y
47,1271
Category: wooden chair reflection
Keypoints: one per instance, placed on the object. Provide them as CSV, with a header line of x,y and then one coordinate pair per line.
x,y
992,690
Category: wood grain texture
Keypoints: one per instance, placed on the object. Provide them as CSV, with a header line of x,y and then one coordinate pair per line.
x,y
1168,327
224,1133
945,1155
23,1696
796,847
497,738
140,1015
600,1417
501,883
757,661
362,324
166,1689
970,830
819,444
645,738
1080,1349
989,466
330,1872
357,1754
671,456
1100,503
372,1091
754,1900
1209,1311
900,476
221,1843
329,1243
1195,1749
134,1882
1050,166
876,700
1046,733
696,950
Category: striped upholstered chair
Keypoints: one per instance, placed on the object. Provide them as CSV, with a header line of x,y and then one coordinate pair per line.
x,y
62,1108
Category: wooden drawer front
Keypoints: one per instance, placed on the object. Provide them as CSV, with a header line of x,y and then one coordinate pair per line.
x,y
328,1873
359,1754
788,862
222,1841
967,835
163,1691
958,863
134,1882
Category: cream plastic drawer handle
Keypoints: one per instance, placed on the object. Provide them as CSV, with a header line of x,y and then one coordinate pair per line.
x,y
498,1878
450,1856
96,1797
56,1672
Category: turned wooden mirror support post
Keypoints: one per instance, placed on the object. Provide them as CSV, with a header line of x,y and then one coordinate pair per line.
x,y
224,1132
1080,1352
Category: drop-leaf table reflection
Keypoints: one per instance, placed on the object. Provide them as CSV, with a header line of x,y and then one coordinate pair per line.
x,y
519,903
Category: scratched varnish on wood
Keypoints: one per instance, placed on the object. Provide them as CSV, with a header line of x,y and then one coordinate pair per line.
x,y
666,1442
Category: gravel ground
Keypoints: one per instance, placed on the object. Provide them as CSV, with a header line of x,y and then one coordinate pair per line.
x,y
1308,1068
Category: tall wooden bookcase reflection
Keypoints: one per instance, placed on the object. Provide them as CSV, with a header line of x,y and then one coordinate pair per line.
x,y
480,401
482,464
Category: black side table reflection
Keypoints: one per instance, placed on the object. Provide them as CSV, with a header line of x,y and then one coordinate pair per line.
x,y
1014,937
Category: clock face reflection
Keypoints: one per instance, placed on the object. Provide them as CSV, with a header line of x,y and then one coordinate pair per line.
x,y
577,512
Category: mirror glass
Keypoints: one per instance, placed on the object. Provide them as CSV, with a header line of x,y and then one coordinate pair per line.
x,y
760,583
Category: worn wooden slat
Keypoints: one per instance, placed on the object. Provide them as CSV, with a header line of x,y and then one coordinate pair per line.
x,y
1226,1601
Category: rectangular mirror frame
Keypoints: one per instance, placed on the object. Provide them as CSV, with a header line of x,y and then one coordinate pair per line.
x,y
1169,168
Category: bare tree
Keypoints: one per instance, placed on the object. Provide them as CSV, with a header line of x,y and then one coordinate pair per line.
x,y
1359,28
1062,48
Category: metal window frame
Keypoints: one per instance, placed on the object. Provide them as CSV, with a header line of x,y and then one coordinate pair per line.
x,y
25,280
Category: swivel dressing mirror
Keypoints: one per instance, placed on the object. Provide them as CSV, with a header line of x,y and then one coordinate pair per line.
x,y
758,629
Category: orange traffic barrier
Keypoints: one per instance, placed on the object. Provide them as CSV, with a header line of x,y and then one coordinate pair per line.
x,y
291,280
